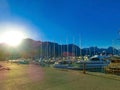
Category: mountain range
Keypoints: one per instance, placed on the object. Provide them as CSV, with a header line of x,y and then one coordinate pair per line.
x,y
31,48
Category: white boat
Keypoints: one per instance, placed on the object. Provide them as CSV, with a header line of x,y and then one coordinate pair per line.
x,y
94,62
62,64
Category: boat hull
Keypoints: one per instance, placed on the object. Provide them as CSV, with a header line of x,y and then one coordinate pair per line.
x,y
81,66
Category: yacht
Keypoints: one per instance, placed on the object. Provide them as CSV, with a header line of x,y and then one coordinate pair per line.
x,y
95,62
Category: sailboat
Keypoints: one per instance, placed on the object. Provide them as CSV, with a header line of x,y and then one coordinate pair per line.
x,y
63,63
95,61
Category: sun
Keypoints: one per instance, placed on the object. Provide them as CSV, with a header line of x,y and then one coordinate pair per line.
x,y
12,33
12,38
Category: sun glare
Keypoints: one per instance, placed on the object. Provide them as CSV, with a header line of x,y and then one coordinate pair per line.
x,y
13,33
12,38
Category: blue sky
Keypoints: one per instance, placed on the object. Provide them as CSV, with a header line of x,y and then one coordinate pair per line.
x,y
96,22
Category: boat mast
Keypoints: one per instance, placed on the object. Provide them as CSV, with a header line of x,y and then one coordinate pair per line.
x,y
67,48
47,50
41,50
86,51
94,50
73,49
113,46
61,49
119,40
89,51
54,49
76,51
80,47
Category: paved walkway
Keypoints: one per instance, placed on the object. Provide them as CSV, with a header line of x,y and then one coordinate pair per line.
x,y
35,72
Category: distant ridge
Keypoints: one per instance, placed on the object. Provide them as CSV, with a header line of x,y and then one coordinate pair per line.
x,y
33,48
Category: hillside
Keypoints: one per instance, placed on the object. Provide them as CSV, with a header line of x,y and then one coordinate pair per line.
x,y
31,48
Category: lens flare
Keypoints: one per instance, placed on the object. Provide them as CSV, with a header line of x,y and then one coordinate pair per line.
x,y
12,35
